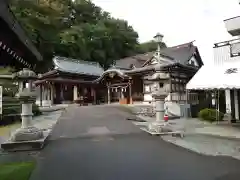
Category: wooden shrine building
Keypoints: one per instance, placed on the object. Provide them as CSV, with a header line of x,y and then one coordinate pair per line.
x,y
69,79
125,82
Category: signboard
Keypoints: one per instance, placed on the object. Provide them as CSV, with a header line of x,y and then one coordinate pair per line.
x,y
1,92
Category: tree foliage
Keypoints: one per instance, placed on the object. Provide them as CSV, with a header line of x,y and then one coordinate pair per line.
x,y
150,46
77,29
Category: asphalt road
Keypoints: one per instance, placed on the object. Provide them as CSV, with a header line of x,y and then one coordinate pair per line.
x,y
97,143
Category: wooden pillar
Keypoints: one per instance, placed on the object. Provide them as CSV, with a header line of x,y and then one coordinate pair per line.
x,y
61,92
108,94
48,92
75,93
41,95
52,93
109,100
94,95
236,104
170,87
130,93
44,92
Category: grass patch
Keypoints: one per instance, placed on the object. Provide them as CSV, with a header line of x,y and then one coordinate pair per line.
x,y
18,171
5,130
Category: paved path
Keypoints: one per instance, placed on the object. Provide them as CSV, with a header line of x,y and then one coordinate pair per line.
x,y
97,143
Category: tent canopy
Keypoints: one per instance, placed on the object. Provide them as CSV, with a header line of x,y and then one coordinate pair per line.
x,y
211,77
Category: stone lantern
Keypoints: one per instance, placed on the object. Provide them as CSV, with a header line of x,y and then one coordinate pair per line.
x,y
27,97
160,79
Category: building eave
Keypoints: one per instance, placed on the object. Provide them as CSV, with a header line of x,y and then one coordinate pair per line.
x,y
8,16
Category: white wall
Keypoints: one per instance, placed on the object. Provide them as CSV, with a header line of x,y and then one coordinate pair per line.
x,y
222,55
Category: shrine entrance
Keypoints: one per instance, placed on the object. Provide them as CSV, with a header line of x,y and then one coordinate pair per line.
x,y
118,86
120,92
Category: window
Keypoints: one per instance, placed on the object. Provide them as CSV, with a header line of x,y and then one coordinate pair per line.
x,y
235,49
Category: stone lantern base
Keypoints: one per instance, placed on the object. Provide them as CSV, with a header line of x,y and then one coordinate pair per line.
x,y
157,126
27,134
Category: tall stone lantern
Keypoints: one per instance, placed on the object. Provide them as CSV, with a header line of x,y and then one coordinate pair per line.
x,y
27,97
160,79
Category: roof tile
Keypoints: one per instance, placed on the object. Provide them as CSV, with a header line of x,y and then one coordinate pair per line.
x,y
77,66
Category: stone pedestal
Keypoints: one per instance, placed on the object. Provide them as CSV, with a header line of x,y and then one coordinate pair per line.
x,y
159,97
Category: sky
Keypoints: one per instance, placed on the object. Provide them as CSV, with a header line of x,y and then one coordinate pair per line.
x,y
180,21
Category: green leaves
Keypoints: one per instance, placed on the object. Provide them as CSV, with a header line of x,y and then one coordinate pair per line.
x,y
79,30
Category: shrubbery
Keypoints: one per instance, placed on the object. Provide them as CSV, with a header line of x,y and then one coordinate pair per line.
x,y
210,115
36,110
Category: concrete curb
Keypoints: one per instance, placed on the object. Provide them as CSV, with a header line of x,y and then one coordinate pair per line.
x,y
212,135
57,121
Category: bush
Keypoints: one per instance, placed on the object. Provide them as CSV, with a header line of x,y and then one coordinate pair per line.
x,y
210,115
36,110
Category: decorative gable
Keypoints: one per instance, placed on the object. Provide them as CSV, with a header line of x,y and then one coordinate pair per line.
x,y
193,62
163,60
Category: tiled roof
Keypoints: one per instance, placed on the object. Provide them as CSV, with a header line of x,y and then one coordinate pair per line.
x,y
181,54
137,61
77,66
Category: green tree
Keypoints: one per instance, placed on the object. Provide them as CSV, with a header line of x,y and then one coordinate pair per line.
x,y
79,30
150,46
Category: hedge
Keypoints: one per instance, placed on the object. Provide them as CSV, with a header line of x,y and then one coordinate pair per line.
x,y
210,115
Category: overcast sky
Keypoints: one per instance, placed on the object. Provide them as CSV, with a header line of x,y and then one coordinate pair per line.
x,y
180,21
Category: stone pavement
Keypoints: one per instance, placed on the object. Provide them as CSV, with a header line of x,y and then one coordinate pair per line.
x,y
97,142
202,137
209,145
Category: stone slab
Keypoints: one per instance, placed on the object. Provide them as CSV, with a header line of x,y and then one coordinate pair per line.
x,y
24,145
175,133
98,130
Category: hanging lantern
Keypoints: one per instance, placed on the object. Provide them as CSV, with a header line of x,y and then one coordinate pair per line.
x,y
4,46
116,90
8,49
11,52
0,43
